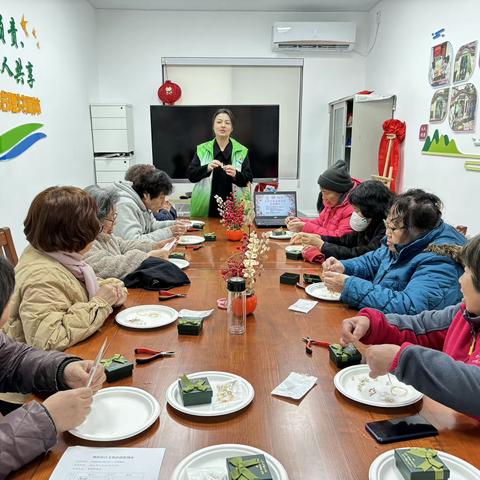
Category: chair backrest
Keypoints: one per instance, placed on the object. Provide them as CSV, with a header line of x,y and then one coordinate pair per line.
x,y
7,248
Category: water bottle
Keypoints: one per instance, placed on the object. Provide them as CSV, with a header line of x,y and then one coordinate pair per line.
x,y
236,306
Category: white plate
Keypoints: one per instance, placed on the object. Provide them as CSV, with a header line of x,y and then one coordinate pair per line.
x,y
216,455
190,240
346,382
294,248
179,262
118,413
287,235
320,291
207,410
146,316
383,468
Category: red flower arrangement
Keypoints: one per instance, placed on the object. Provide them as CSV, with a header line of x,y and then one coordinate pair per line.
x,y
232,211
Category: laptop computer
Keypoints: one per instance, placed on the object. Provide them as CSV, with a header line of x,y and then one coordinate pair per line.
x,y
271,208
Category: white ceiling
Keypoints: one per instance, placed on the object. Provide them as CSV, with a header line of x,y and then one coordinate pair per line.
x,y
240,5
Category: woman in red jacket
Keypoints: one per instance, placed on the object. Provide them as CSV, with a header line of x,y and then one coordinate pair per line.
x,y
334,219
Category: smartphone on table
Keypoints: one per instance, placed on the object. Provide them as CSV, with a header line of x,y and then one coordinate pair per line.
x,y
399,429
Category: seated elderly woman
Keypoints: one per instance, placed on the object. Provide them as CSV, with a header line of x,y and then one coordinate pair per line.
x,y
111,256
167,210
371,201
58,300
435,351
32,429
336,184
138,201
416,269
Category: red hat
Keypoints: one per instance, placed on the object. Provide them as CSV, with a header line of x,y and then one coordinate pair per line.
x,y
169,92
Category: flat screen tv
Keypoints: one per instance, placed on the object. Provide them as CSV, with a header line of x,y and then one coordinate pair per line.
x,y
177,130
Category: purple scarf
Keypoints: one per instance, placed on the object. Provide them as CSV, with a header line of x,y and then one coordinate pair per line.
x,y
74,263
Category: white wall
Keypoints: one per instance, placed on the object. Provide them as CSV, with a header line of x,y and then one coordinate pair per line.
x,y
399,64
132,43
66,75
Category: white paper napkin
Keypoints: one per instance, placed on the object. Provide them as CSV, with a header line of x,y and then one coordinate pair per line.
x,y
302,305
295,386
194,313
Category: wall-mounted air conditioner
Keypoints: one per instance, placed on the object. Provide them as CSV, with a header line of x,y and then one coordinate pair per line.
x,y
315,36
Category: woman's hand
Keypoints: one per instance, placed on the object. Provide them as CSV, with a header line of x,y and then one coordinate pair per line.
x,y
108,293
354,329
295,225
76,375
214,164
69,409
230,170
334,281
331,264
122,294
162,243
159,254
380,358
309,239
179,229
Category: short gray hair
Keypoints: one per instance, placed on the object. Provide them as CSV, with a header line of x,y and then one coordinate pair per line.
x,y
106,199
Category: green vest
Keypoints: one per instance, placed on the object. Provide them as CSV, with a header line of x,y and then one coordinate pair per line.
x,y
202,190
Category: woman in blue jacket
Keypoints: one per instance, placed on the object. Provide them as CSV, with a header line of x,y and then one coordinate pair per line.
x,y
417,267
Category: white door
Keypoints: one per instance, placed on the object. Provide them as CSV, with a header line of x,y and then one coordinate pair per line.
x,y
337,133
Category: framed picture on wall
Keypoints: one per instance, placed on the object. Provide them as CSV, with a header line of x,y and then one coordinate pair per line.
x,y
439,105
464,62
441,64
463,106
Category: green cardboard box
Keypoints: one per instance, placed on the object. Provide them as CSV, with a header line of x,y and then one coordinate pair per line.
x,y
190,326
117,367
294,255
177,255
195,391
311,278
278,233
420,464
289,278
249,467
344,356
210,236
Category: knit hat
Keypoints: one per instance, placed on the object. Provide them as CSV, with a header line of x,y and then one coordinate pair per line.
x,y
336,178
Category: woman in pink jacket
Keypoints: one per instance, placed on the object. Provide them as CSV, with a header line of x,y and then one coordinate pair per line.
x,y
334,219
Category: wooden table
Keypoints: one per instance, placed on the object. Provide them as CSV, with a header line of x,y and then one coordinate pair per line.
x,y
320,437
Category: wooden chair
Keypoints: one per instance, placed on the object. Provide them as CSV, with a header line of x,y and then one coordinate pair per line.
x,y
7,248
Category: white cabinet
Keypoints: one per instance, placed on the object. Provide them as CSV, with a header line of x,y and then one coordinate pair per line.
x,y
356,127
109,170
112,128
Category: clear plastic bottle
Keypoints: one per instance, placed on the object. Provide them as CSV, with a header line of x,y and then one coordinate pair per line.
x,y
236,306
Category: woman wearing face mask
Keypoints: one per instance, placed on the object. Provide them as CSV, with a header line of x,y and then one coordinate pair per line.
x,y
416,269
218,166
371,201
336,185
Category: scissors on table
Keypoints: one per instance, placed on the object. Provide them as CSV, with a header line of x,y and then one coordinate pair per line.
x,y
166,295
310,341
154,354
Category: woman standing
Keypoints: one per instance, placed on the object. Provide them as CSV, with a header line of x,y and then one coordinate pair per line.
x,y
218,166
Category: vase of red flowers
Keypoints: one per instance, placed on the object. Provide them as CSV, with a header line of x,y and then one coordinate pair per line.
x,y
232,213
247,263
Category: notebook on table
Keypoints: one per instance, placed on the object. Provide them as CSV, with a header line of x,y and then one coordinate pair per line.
x,y
271,208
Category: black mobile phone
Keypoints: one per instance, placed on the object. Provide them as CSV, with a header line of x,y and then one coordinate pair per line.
x,y
398,429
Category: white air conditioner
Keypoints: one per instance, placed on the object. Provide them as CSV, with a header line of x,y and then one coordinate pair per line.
x,y
314,36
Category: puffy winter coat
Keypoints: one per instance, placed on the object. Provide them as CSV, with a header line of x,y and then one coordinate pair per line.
x,y
423,275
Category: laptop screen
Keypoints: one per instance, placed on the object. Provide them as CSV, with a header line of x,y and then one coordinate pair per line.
x,y
275,204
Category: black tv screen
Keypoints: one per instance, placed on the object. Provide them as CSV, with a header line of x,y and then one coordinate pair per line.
x,y
177,130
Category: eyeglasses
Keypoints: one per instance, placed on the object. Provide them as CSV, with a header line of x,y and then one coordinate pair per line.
x,y
392,229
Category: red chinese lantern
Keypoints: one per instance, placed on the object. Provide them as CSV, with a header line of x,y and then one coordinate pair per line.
x,y
169,92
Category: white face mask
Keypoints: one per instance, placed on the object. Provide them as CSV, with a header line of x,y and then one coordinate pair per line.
x,y
358,223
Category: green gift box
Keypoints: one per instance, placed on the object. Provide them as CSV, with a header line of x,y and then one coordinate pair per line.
x,y
197,391
344,356
311,278
177,255
278,233
289,278
420,464
190,326
294,255
117,367
249,467
210,236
